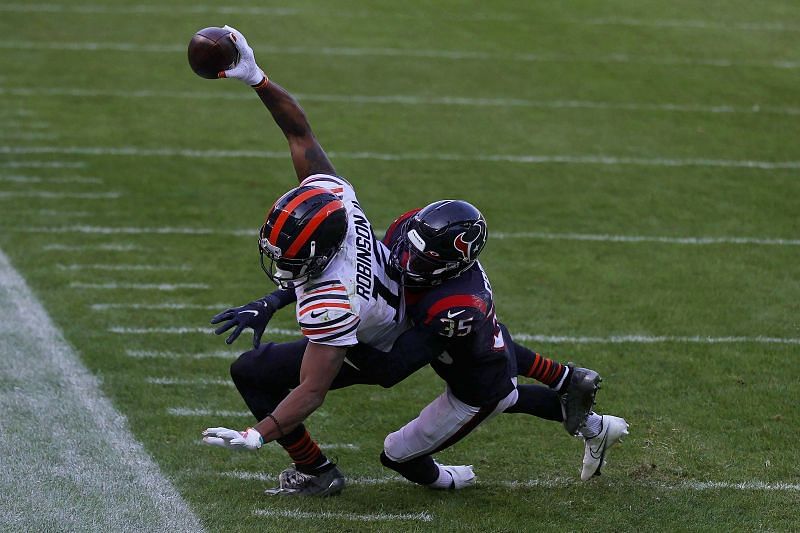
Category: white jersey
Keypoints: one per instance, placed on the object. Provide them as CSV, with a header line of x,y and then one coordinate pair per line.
x,y
354,299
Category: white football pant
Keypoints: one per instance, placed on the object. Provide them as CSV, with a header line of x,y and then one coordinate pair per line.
x,y
438,422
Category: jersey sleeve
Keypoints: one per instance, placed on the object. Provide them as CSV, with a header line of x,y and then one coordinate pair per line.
x,y
336,185
326,316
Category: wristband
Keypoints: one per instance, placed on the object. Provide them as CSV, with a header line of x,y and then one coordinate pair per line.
x,y
263,83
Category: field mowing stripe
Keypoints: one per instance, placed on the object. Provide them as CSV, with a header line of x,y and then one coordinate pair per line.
x,y
163,305
124,268
139,286
328,515
416,100
501,235
43,164
114,247
86,471
543,57
528,159
558,482
53,195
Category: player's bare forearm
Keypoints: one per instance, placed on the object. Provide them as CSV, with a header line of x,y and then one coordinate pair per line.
x,y
321,364
307,154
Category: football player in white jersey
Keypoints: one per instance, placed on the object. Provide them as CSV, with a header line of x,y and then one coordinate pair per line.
x,y
317,244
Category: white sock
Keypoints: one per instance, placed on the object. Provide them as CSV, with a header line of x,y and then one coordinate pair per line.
x,y
593,426
444,481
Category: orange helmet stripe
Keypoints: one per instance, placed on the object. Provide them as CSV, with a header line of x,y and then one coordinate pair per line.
x,y
316,220
286,211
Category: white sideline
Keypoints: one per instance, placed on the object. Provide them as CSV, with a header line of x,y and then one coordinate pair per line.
x,y
526,159
84,470
541,57
297,514
84,229
417,100
139,286
558,482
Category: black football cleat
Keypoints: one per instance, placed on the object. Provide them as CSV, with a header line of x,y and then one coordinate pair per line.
x,y
294,483
577,397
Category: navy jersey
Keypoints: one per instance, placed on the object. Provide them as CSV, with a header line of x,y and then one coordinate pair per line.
x,y
458,317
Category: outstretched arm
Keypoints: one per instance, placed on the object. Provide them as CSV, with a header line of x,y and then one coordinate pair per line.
x,y
308,156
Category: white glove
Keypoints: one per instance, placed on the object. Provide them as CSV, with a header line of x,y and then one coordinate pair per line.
x,y
246,69
249,439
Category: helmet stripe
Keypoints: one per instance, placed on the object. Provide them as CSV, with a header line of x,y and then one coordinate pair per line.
x,y
287,210
313,224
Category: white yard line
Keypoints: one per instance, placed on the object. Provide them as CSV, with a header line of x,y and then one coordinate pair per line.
x,y
527,159
542,57
188,381
79,474
693,24
190,411
552,339
39,179
646,339
43,164
139,286
163,305
298,514
117,247
160,354
554,483
418,100
184,330
501,235
53,195
644,238
123,268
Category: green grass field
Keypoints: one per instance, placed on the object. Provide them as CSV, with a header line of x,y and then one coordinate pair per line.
x,y
639,167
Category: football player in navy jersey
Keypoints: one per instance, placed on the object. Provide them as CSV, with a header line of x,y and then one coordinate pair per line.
x,y
449,299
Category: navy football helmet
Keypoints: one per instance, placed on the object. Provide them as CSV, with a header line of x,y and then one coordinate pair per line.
x,y
304,230
439,242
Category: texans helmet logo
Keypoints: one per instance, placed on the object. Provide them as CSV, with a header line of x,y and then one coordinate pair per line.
x,y
471,241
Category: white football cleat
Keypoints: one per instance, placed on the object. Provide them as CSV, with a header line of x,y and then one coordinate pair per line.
x,y
462,476
612,429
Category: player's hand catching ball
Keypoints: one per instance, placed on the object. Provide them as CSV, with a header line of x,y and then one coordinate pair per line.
x,y
249,439
246,69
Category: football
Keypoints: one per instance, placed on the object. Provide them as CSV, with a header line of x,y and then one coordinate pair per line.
x,y
212,50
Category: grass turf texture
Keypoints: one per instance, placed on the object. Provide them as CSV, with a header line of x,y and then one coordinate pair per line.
x,y
698,412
